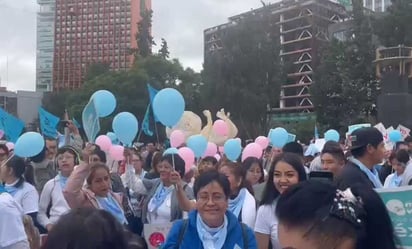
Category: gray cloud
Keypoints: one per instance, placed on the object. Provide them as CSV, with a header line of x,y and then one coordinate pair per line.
x,y
180,22
18,44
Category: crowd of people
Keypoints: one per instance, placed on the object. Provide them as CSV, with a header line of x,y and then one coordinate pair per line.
x,y
75,197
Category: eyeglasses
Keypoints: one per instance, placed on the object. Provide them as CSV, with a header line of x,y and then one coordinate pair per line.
x,y
61,158
214,198
166,167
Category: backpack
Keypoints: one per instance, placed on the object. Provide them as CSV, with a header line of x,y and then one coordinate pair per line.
x,y
184,228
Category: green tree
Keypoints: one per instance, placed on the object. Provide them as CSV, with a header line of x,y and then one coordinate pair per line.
x,y
345,88
394,29
164,50
245,76
144,36
55,102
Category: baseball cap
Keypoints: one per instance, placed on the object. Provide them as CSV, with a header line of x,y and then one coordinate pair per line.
x,y
363,136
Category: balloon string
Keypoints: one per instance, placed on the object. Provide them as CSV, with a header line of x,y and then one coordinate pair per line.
x,y
173,162
8,159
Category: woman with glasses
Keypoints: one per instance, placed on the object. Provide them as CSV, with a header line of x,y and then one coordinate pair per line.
x,y
211,225
241,201
136,199
161,204
52,204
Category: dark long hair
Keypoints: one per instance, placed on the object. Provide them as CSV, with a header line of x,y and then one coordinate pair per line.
x,y
247,164
270,192
239,173
18,165
306,206
86,228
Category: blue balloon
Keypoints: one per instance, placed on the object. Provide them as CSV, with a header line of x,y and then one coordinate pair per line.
x,y
198,144
232,149
395,136
113,137
105,102
125,126
278,137
29,144
168,106
171,151
332,135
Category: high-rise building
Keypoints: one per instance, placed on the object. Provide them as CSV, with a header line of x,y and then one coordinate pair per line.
x,y
45,45
377,5
93,31
303,27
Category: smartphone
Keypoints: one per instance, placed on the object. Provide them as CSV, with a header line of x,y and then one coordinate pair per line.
x,y
321,176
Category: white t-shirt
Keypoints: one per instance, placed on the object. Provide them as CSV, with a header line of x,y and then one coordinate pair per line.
x,y
163,213
407,174
28,198
267,223
249,210
52,194
11,221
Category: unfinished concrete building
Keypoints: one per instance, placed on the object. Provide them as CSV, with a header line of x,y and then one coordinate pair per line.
x,y
303,27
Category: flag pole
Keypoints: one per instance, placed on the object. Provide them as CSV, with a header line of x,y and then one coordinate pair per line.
x,y
157,134
141,130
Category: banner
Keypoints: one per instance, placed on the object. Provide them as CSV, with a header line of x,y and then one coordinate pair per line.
x,y
11,126
351,128
146,122
316,132
152,94
291,137
156,235
48,123
90,120
398,202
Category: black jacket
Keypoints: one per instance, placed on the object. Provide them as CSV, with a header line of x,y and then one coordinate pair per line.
x,y
352,175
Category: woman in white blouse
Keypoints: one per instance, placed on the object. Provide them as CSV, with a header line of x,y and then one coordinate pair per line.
x,y
25,194
286,170
52,195
12,234
160,205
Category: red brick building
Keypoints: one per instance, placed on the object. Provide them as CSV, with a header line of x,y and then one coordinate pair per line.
x,y
93,31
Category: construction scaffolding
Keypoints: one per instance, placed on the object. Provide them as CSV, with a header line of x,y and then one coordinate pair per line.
x,y
303,28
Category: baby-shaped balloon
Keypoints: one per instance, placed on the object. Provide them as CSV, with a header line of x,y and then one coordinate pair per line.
x,y
191,124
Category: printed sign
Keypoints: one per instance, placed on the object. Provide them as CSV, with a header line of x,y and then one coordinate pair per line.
x,y
90,120
382,129
320,143
404,131
399,205
156,235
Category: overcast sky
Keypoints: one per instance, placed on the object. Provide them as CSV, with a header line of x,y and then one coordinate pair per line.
x,y
180,22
